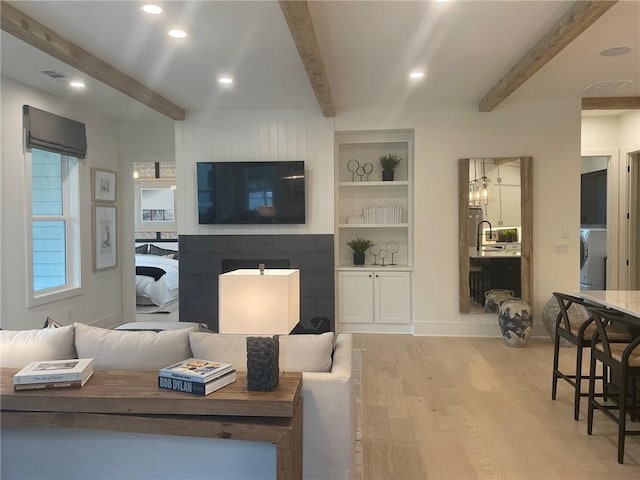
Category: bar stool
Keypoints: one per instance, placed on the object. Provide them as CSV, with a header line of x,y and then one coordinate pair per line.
x,y
579,332
623,361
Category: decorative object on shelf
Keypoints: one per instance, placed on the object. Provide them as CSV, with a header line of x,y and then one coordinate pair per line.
x,y
367,168
388,162
493,298
383,255
355,168
515,320
375,251
262,363
353,165
392,247
359,247
577,314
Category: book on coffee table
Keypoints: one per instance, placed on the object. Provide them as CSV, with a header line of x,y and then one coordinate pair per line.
x,y
196,388
196,370
55,371
20,387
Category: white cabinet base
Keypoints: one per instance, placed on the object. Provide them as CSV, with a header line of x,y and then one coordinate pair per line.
x,y
374,301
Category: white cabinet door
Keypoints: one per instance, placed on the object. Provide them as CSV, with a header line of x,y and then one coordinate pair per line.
x,y
392,294
355,297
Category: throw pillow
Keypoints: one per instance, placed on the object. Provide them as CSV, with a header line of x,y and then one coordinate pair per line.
x,y
20,348
51,323
153,250
120,349
298,353
142,248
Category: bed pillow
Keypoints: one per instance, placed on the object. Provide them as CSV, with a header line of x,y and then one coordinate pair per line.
x,y
142,248
298,353
118,349
153,250
20,348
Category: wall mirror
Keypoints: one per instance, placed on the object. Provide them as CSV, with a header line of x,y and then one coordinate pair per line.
x,y
495,227
155,205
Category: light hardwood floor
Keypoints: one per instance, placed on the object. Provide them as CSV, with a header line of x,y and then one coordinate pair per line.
x,y
467,408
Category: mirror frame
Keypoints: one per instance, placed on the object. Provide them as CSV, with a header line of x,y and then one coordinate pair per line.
x,y
526,216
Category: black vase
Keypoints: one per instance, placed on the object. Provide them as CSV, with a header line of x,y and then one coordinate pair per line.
x,y
387,175
263,355
358,258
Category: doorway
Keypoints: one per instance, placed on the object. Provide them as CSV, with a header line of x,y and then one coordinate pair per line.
x,y
594,174
633,221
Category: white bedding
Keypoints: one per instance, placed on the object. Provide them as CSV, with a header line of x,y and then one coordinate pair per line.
x,y
157,292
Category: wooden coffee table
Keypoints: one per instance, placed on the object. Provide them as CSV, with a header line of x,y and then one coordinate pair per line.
x,y
130,401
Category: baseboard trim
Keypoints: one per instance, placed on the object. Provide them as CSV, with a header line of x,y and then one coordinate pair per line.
x,y
108,321
482,325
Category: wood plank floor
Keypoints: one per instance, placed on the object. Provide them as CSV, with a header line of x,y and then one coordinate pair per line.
x,y
473,408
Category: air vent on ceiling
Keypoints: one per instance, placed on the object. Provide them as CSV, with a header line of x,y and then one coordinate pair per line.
x,y
606,86
53,74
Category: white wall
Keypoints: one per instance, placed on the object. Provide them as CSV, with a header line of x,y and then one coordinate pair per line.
x,y
549,131
101,300
257,134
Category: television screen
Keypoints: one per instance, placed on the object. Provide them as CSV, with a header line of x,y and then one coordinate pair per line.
x,y
251,192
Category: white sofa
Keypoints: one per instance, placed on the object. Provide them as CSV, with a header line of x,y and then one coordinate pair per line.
x,y
328,433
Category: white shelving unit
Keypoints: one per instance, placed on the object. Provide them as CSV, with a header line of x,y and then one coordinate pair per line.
x,y
376,297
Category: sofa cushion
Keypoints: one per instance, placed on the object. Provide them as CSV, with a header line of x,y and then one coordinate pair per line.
x,y
116,349
298,353
19,348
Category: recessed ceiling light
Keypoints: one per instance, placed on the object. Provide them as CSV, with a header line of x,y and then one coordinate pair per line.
x,y
152,9
176,33
77,84
225,80
615,52
416,75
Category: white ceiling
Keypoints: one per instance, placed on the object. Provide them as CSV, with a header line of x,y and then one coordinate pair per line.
x,y
368,48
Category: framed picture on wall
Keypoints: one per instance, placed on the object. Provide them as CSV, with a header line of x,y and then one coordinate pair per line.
x,y
155,205
103,185
104,225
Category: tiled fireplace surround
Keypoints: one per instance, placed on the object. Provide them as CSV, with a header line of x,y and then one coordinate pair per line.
x,y
202,258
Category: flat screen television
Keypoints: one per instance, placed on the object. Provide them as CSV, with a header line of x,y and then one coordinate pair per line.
x,y
251,192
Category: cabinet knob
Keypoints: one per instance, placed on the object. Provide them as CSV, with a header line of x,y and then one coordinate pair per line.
x,y
369,275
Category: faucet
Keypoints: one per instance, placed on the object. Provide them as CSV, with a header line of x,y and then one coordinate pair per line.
x,y
479,233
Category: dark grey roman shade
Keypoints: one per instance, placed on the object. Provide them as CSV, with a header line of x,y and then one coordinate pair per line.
x,y
54,133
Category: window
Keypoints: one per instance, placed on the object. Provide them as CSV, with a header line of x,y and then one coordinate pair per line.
x,y
55,232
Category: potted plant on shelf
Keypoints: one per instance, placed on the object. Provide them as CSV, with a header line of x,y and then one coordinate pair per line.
x,y
359,246
388,162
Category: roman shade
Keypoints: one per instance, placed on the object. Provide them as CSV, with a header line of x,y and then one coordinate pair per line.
x,y
54,133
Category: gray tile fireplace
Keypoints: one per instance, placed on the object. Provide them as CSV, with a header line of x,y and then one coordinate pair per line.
x,y
204,257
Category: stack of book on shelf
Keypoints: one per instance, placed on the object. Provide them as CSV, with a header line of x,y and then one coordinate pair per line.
x,y
200,377
383,214
72,373
355,219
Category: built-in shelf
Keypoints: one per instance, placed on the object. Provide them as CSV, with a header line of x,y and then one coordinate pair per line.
x,y
373,225
374,296
395,183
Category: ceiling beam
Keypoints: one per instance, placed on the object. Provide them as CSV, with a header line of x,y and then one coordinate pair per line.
x,y
39,36
298,18
610,103
579,17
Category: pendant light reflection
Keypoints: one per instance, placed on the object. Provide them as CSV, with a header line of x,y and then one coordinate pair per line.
x,y
480,189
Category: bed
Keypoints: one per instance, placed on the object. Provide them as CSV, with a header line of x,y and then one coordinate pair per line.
x,y
157,276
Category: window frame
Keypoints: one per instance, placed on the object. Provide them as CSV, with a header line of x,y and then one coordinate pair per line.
x,y
73,238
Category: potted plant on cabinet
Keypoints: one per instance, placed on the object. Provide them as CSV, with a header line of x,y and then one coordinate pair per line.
x,y
388,162
359,246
